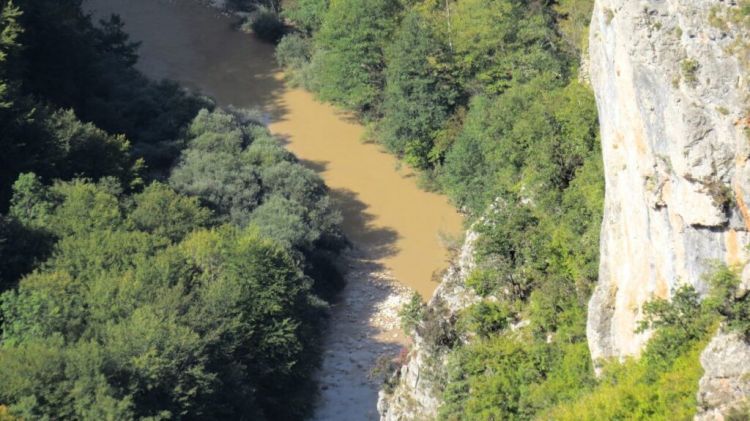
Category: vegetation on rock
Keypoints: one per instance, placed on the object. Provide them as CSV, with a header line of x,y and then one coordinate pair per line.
x,y
483,98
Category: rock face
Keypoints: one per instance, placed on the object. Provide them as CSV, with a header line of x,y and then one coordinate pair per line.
x,y
671,84
725,386
413,397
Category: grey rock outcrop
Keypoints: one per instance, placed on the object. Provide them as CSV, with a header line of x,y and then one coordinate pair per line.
x,y
671,82
414,396
725,385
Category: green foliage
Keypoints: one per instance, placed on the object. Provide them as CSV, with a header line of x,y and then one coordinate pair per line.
x,y
537,253
487,318
507,249
633,391
574,17
307,15
89,150
121,322
237,169
498,153
4,416
66,84
65,148
730,303
501,43
161,211
506,378
31,203
350,52
76,65
284,220
419,93
215,169
689,68
502,376
80,207
294,53
472,394
437,331
9,32
662,384
412,313
138,302
680,322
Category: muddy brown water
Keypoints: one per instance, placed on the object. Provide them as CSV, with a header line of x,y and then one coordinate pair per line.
x,y
385,213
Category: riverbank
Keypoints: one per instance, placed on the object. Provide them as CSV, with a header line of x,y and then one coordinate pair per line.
x,y
364,331
394,226
385,212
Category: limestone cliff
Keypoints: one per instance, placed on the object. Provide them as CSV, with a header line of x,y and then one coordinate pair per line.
x,y
725,386
671,84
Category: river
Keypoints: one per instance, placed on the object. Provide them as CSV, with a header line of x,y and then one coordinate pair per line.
x,y
396,225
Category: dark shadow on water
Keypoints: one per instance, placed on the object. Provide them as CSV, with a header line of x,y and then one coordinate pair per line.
x,y
283,138
376,242
247,76
201,48
317,166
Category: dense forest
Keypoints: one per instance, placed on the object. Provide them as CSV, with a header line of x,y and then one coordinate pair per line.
x,y
487,100
164,258
161,258
484,98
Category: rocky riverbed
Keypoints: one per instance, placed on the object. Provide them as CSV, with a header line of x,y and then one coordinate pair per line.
x,y
364,332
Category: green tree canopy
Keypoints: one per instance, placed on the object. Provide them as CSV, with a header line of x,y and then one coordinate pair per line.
x,y
350,60
129,324
419,94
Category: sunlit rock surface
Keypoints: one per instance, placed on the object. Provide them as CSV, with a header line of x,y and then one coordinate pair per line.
x,y
414,397
725,385
670,79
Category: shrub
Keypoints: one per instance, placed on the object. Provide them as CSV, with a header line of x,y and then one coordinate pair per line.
x,y
633,391
486,318
680,323
222,323
437,330
720,192
689,68
293,52
727,301
411,313
349,57
267,26
307,15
